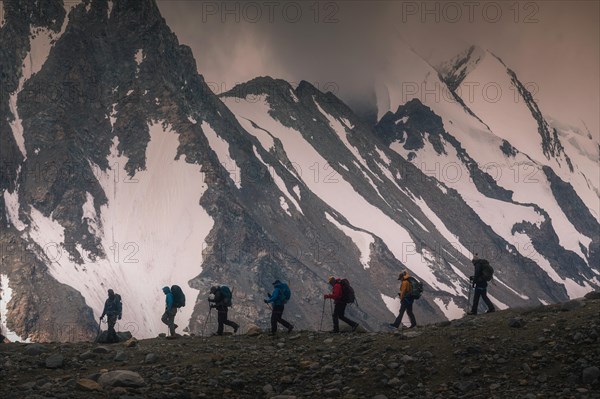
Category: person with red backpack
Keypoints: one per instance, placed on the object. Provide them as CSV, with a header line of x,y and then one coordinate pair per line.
x,y
340,300
406,301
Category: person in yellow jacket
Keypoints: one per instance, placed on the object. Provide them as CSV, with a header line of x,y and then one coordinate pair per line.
x,y
406,301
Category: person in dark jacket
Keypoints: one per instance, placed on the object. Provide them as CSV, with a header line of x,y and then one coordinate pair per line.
x,y
168,316
222,310
480,285
406,301
339,305
277,298
112,311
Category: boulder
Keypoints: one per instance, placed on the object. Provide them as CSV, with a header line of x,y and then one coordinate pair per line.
x,y
121,378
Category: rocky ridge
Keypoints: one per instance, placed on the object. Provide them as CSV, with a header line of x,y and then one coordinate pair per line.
x,y
543,352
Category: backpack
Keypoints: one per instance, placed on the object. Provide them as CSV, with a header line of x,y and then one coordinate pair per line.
x,y
347,291
487,271
178,296
118,304
416,288
227,295
284,293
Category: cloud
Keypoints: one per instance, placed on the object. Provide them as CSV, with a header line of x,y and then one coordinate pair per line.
x,y
345,44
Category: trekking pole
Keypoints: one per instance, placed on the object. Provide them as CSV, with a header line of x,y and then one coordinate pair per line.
x,y
99,330
206,320
469,297
322,314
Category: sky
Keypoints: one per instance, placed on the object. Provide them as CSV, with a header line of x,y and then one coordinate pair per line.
x,y
553,46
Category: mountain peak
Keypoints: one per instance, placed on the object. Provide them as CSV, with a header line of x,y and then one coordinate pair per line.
x,y
262,85
454,71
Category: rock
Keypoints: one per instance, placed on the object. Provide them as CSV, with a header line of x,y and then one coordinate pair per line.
x,y
328,341
283,397
88,385
151,358
332,393
407,359
131,343
466,371
121,378
121,356
516,322
379,397
572,305
101,349
590,375
55,361
253,331
592,295
87,355
34,349
394,382
268,389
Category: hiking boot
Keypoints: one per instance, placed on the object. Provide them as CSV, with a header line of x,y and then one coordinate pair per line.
x,y
334,332
354,327
235,328
491,311
472,313
290,328
413,326
392,325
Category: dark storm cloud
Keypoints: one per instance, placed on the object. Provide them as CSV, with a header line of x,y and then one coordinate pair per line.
x,y
341,46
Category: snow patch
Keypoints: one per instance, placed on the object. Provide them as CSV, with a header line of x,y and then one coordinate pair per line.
x,y
153,233
545,303
129,93
192,120
6,295
113,115
402,120
265,139
110,7
221,148
278,181
361,239
451,310
284,205
393,304
41,44
522,296
574,290
441,227
293,95
297,191
16,125
383,156
11,201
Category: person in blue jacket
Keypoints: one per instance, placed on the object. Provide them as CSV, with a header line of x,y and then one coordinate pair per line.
x,y
170,311
278,298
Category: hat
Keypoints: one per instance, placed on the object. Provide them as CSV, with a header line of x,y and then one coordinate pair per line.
x,y
213,290
111,292
276,282
402,274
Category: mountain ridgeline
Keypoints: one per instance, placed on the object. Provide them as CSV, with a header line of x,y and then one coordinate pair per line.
x,y
121,169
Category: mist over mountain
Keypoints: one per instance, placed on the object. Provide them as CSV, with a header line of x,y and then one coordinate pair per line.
x,y
122,168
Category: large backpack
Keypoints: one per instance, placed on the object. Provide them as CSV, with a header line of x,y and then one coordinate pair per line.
x,y
178,296
227,295
416,288
347,291
487,271
118,304
284,293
